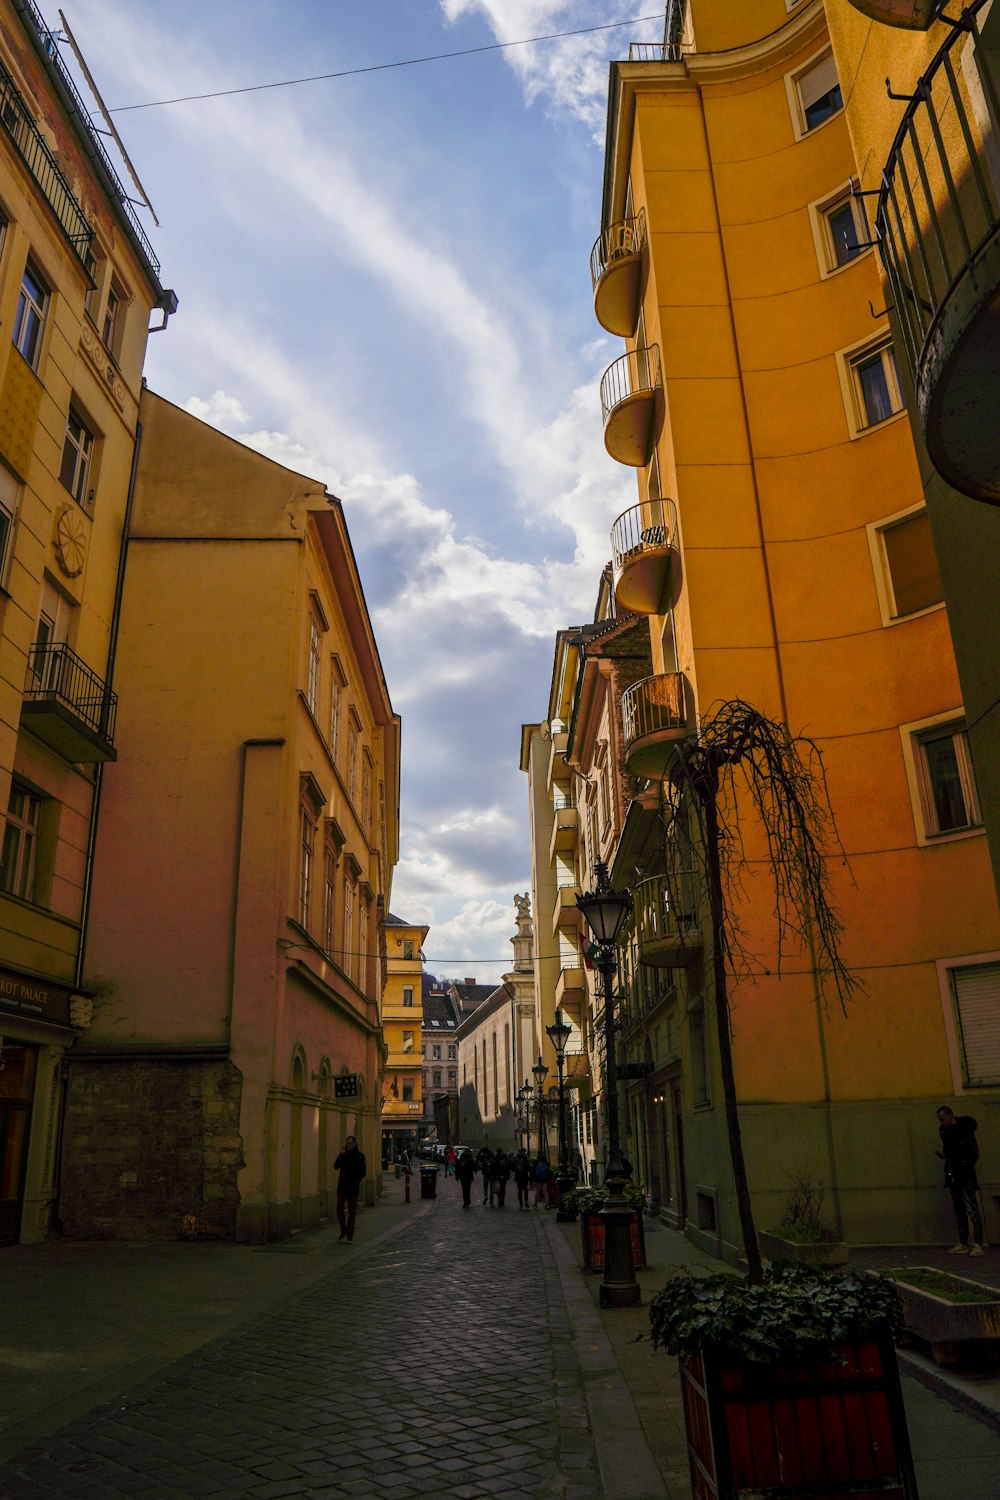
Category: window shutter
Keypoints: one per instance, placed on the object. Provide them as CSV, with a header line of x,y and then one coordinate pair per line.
x,y
977,997
818,80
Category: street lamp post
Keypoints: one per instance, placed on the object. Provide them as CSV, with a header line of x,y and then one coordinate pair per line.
x,y
541,1072
605,911
524,1098
559,1034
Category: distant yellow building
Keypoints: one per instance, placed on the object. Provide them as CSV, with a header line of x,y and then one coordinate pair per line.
x,y
78,283
245,856
781,553
402,1027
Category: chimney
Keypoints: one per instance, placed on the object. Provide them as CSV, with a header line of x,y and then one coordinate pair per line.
x,y
467,980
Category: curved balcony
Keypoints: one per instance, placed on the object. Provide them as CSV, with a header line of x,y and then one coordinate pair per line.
x,y
654,718
616,274
631,392
914,15
938,225
668,935
644,557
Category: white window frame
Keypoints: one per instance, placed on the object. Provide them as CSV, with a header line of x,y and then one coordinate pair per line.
x,y
115,313
307,843
31,317
362,966
913,736
348,949
849,362
313,662
26,828
329,896
822,231
946,970
82,448
883,575
796,107
407,996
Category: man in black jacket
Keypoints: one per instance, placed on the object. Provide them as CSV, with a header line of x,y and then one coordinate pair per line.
x,y
352,1167
960,1152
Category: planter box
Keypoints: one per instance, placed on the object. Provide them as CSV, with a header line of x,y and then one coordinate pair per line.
x,y
955,1331
826,1253
592,1234
832,1428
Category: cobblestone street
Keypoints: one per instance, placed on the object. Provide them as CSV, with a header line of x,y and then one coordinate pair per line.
x,y
440,1362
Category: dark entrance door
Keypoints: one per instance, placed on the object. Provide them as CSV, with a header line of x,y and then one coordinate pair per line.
x,y
17,1090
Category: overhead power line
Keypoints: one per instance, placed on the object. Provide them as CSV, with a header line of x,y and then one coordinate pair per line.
x,y
406,62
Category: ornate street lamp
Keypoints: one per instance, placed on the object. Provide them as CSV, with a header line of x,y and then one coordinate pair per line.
x,y
524,1099
541,1072
559,1034
605,911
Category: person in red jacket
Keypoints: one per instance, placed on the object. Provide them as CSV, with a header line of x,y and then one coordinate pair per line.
x,y
960,1152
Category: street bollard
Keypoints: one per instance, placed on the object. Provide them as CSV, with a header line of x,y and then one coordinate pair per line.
x,y
406,1179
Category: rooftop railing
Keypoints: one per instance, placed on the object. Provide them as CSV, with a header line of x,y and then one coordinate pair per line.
x,y
37,156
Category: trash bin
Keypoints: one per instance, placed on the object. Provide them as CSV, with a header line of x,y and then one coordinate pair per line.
x,y
428,1182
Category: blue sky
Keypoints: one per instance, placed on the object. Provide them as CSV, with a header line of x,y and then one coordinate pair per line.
x,y
384,283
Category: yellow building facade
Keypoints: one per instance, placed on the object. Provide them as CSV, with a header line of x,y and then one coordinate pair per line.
x,y
78,283
244,861
402,1027
781,552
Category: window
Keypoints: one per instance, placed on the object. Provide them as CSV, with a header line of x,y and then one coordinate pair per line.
x,y
9,494
843,229
436,1052
334,712
407,1041
976,993
840,228
452,1077
114,318
699,1054
870,381
312,671
362,969
329,873
366,795
407,1093
452,1053
818,91
307,834
408,995
95,270
352,764
77,457
20,842
436,1078
407,947
909,565
348,927
29,320
947,784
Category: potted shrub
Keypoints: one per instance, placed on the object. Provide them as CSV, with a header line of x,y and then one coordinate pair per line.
x,y
790,1386
588,1203
802,1236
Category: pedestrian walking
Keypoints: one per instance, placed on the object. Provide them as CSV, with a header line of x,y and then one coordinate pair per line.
x,y
449,1162
465,1170
960,1152
522,1177
352,1168
499,1176
540,1178
484,1161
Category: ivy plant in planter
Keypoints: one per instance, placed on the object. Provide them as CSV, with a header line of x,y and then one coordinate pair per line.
x,y
790,1384
588,1202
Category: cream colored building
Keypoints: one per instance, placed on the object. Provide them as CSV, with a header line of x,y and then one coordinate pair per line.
x,y
78,283
244,862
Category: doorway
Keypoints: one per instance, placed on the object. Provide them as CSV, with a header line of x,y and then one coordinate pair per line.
x,y
17,1091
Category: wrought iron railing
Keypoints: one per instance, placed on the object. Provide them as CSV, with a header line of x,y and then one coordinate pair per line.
x,y
650,526
563,801
654,705
33,150
57,673
626,237
632,374
671,48
666,907
938,209
51,46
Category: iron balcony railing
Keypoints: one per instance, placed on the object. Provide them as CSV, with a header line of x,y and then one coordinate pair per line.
x,y
654,705
666,909
650,526
626,237
57,674
938,210
33,150
51,47
563,801
633,374
670,49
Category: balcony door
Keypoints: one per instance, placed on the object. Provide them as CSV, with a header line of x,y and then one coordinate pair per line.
x,y
51,631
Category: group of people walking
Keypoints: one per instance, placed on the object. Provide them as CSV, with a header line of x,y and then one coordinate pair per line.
x,y
496,1169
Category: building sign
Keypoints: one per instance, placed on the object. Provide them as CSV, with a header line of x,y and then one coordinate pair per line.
x,y
345,1086
37,999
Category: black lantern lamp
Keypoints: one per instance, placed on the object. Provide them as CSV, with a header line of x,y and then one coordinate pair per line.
x,y
524,1099
606,911
541,1072
559,1034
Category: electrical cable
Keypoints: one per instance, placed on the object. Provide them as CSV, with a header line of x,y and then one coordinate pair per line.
x,y
406,62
